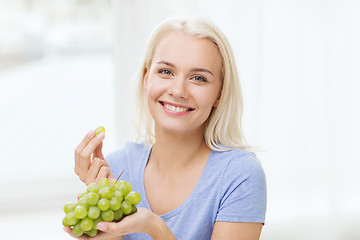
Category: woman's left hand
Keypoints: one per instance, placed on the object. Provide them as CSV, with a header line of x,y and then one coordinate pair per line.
x,y
141,221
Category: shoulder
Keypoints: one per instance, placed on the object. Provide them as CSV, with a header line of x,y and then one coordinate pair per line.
x,y
243,172
239,162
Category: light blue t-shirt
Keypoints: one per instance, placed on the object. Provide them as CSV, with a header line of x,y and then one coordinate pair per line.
x,y
232,188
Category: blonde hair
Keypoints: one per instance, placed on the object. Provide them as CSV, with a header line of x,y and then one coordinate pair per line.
x,y
223,127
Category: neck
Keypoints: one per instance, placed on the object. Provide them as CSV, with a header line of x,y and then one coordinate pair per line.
x,y
173,152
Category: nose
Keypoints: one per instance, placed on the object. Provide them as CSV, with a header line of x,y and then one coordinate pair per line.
x,y
178,88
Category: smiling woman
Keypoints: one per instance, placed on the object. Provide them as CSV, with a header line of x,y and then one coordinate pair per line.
x,y
196,178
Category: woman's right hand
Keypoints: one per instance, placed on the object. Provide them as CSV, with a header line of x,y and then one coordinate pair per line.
x,y
90,164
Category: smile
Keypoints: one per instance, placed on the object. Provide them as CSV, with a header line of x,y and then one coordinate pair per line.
x,y
176,109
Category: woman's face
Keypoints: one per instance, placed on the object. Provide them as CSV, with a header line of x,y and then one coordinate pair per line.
x,y
183,83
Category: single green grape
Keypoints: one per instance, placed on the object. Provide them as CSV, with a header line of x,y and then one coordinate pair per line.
x,y
129,186
99,130
77,231
107,215
115,204
70,219
92,232
65,223
82,201
103,204
133,210
94,212
92,198
104,182
82,195
133,197
116,185
93,187
126,207
80,211
124,187
69,207
118,215
87,224
105,192
117,195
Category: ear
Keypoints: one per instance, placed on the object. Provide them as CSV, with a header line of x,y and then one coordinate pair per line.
x,y
145,78
216,103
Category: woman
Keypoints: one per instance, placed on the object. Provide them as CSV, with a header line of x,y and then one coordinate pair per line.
x,y
193,171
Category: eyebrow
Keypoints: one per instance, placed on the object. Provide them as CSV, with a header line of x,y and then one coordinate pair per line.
x,y
192,70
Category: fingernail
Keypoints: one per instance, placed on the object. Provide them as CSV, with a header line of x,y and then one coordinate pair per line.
x,y
101,135
91,133
101,226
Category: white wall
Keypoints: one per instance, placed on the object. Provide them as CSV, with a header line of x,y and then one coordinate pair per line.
x,y
56,80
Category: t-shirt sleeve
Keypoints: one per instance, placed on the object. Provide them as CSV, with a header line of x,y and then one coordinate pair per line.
x,y
243,193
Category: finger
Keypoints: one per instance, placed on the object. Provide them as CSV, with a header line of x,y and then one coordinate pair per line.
x,y
94,169
98,152
85,155
112,228
104,172
110,176
80,147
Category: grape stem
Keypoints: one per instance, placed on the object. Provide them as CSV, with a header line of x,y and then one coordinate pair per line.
x,y
120,175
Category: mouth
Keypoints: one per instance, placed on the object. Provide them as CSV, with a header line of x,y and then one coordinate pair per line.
x,y
176,108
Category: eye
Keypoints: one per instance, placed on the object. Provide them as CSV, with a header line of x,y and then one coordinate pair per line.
x,y
199,79
165,71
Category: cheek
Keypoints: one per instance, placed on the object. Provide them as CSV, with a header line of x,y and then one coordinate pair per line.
x,y
208,100
154,90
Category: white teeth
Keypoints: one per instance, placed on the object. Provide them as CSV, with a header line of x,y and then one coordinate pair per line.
x,y
175,109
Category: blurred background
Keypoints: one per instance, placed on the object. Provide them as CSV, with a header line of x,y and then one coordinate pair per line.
x,y
67,66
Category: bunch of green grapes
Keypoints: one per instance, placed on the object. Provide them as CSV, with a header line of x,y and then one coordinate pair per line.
x,y
101,202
